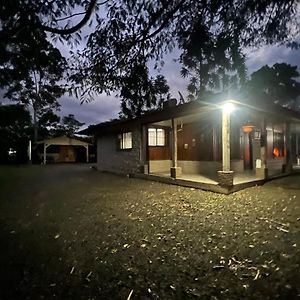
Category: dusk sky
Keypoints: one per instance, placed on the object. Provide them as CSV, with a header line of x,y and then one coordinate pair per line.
x,y
106,107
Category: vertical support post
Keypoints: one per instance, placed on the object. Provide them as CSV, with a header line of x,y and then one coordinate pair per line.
x,y
174,144
225,177
297,145
215,144
175,170
225,141
45,153
288,147
29,151
144,156
87,153
262,172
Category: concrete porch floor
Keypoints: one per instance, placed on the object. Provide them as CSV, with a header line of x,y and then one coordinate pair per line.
x,y
208,183
247,176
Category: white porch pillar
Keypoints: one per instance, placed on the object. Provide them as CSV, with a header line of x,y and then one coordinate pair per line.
x,y
45,152
29,151
144,149
288,149
175,170
87,153
225,177
297,144
174,144
262,171
225,140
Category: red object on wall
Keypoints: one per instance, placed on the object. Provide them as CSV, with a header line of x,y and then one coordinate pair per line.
x,y
248,128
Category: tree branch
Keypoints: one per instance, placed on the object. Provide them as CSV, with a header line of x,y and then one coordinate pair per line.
x,y
73,29
71,16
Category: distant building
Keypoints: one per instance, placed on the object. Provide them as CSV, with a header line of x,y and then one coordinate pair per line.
x,y
65,149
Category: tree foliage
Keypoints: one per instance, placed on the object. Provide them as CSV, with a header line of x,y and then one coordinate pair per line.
x,y
211,35
15,132
277,83
34,80
70,125
142,92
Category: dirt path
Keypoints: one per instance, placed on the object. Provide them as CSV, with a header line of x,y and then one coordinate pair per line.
x,y
67,231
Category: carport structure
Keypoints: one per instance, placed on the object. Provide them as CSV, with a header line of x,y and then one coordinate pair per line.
x,y
67,148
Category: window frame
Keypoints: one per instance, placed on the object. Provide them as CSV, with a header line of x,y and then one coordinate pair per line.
x,y
123,140
156,137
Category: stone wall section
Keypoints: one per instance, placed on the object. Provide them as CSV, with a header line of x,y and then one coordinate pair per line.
x,y
112,159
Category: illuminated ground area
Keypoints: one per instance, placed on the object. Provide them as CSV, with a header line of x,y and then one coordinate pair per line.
x,y
71,232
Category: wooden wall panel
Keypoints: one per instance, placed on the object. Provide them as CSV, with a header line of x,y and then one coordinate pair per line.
x,y
160,152
195,141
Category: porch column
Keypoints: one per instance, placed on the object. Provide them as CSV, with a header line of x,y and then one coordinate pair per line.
x,y
45,152
29,152
143,156
225,141
225,176
297,149
288,147
261,170
87,153
175,171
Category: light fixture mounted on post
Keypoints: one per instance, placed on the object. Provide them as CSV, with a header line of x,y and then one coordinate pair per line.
x,y
228,107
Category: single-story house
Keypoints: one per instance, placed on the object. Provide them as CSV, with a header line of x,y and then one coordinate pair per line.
x,y
63,149
216,146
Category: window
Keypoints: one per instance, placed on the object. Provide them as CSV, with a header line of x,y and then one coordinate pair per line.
x,y
156,137
125,140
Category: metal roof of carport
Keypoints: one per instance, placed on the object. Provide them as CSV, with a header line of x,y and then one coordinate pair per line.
x,y
64,140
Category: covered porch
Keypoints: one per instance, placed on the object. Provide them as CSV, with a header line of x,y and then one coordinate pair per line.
x,y
224,146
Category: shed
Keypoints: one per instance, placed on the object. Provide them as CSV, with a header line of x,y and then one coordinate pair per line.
x,y
64,149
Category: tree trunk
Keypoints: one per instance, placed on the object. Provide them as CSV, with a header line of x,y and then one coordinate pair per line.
x,y
35,125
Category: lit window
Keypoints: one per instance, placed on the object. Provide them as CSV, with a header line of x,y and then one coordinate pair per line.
x,y
156,137
125,140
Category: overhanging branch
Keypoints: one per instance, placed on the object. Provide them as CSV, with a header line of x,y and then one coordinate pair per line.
x,y
75,28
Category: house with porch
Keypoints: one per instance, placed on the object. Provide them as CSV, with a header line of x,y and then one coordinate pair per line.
x,y
222,146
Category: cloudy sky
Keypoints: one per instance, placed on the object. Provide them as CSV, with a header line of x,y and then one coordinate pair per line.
x,y
107,107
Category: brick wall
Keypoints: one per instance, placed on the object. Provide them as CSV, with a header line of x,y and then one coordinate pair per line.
x,y
112,159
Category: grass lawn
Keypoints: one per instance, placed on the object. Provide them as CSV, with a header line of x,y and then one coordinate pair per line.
x,y
67,231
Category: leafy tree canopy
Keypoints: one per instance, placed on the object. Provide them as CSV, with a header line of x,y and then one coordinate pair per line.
x,y
142,92
15,131
70,124
211,36
277,83
31,73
